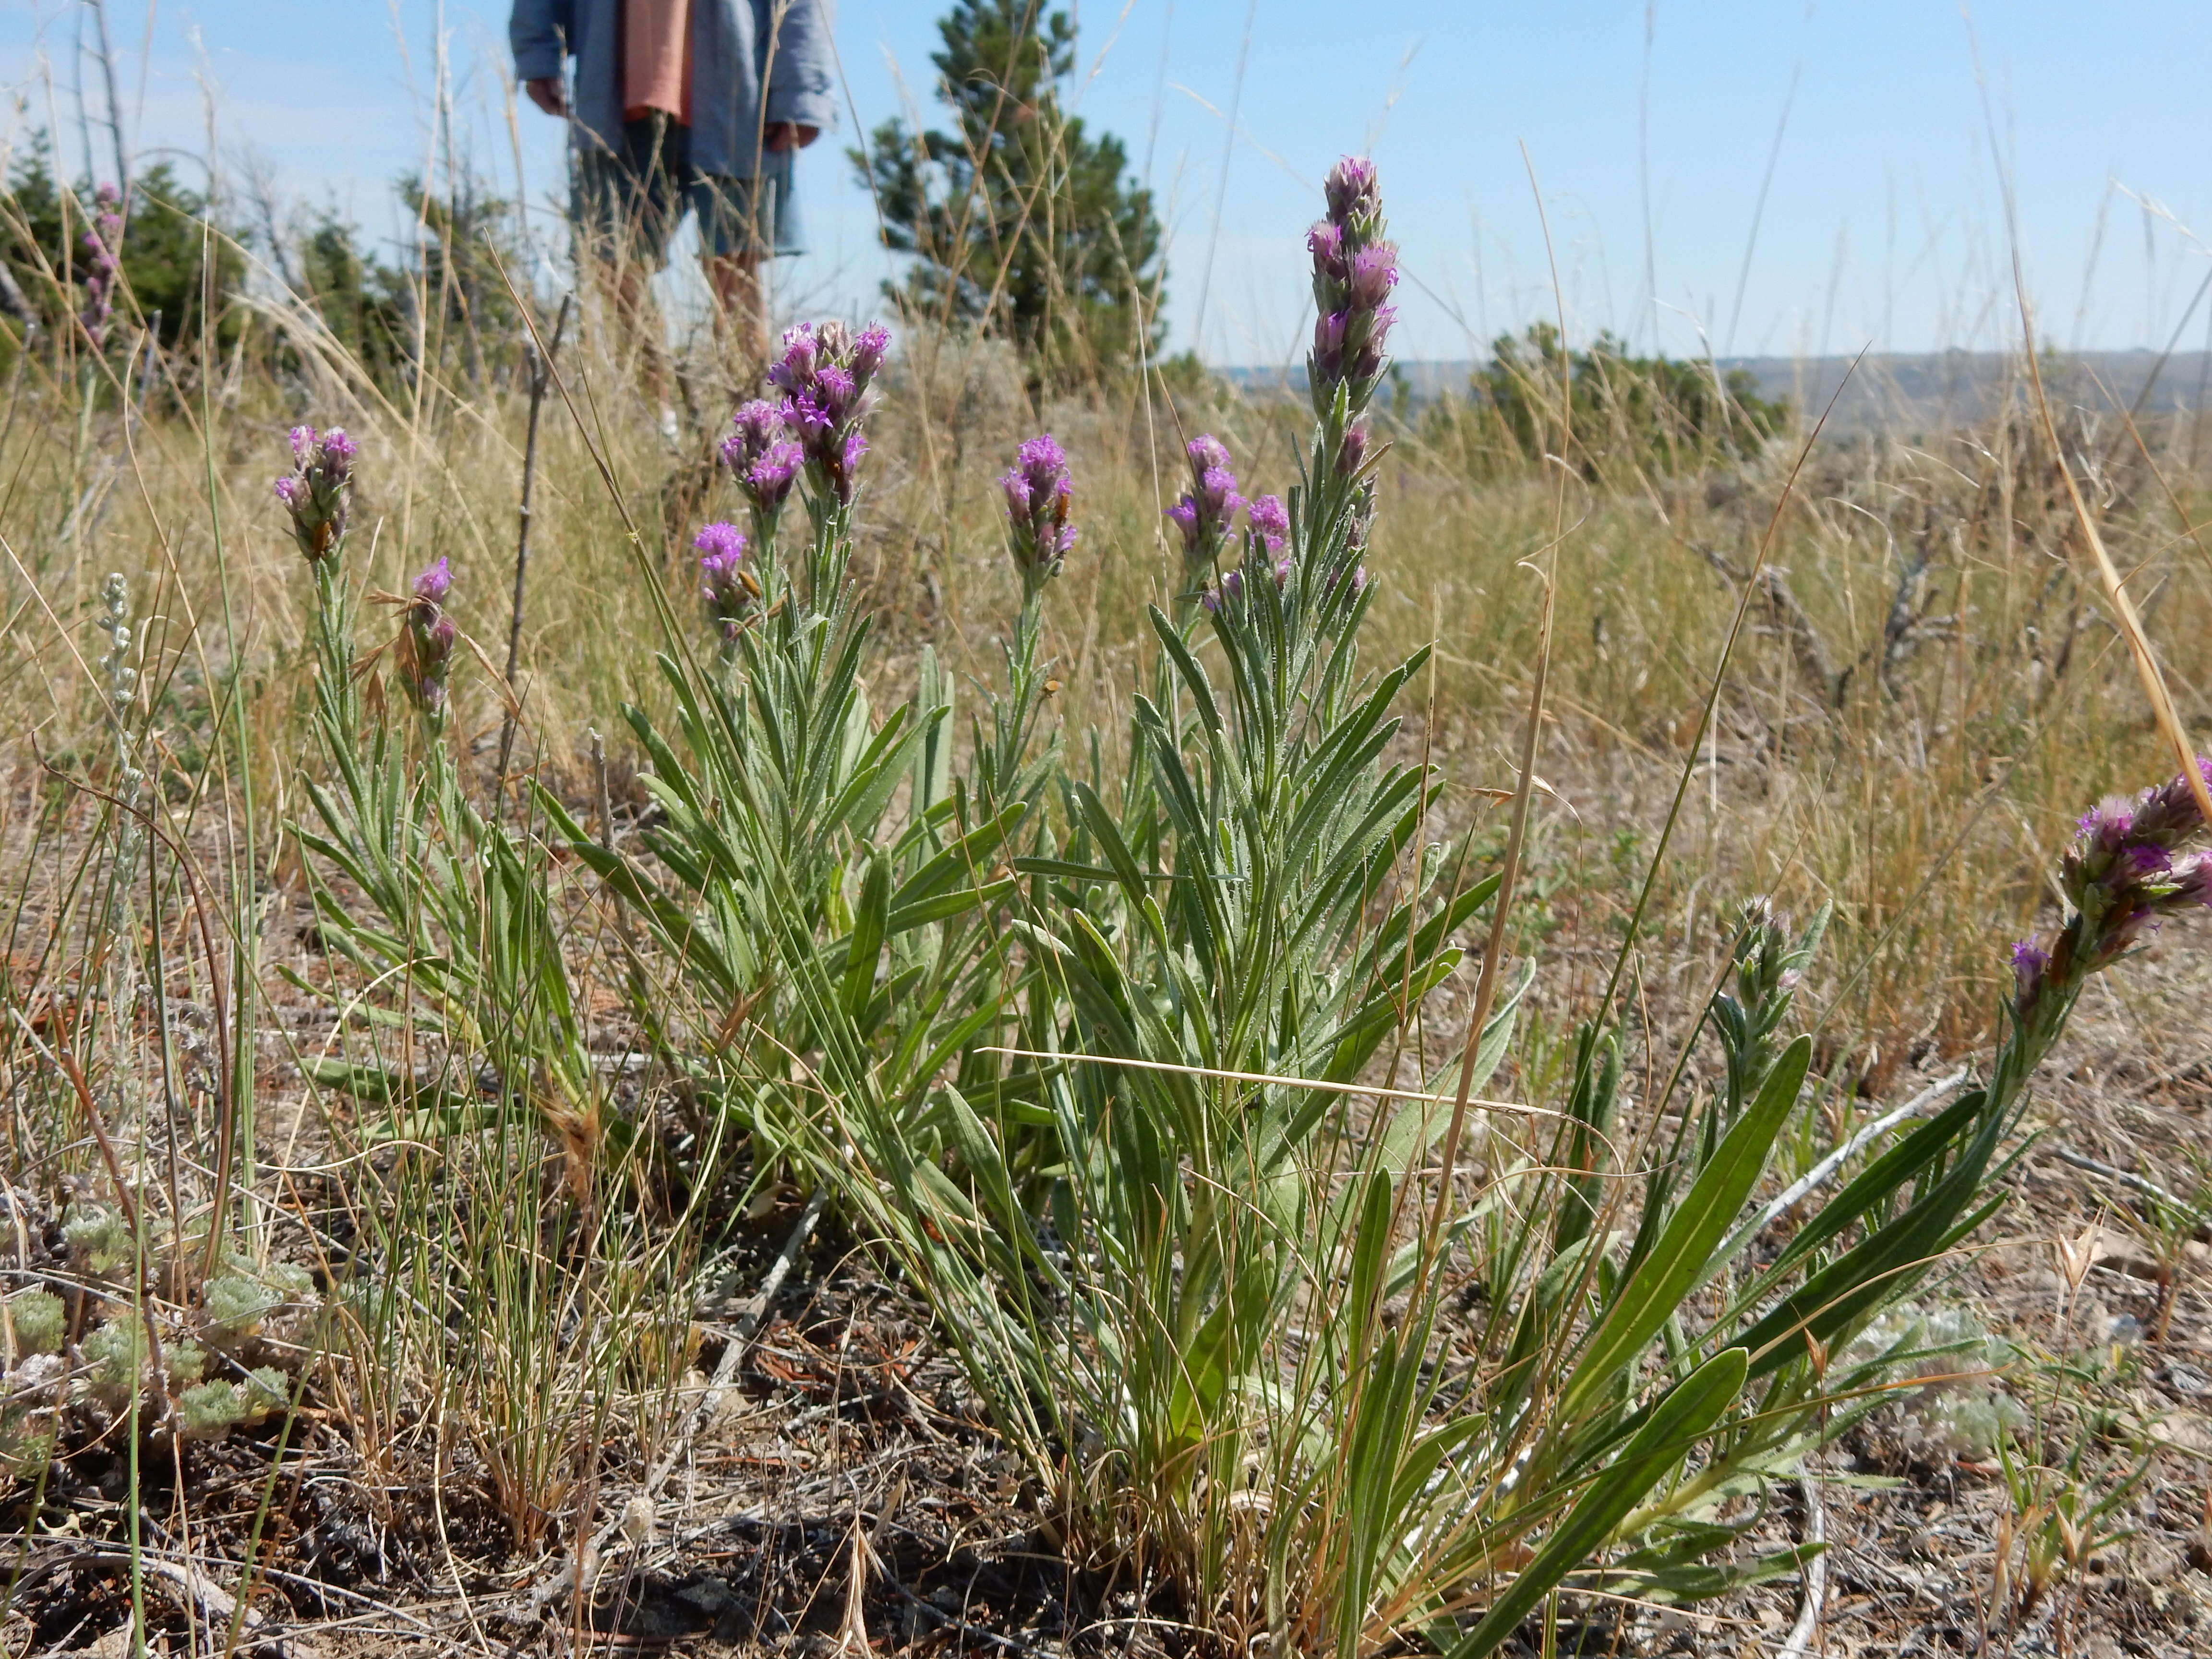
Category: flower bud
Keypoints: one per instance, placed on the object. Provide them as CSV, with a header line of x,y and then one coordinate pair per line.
x,y
728,588
319,490
427,637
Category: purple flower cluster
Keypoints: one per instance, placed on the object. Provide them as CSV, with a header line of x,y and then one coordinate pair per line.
x,y
761,452
318,490
2128,868
427,636
1204,512
1267,537
1269,523
101,242
1039,489
730,589
1354,270
824,374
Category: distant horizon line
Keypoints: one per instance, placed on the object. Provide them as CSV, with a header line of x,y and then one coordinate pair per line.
x,y
2083,354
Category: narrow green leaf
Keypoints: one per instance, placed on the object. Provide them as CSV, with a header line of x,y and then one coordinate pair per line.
x,y
1680,1260
1187,669
871,923
1687,1414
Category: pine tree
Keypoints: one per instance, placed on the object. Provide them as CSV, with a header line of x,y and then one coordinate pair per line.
x,y
1019,221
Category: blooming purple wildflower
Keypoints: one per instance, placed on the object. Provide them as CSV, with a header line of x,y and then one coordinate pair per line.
x,y
824,373
2131,866
1269,520
870,347
727,586
1206,508
318,492
760,452
427,637
101,240
1354,271
768,479
1374,274
1039,489
1207,453
433,584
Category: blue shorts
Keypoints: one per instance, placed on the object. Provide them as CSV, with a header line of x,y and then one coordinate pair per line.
x,y
627,206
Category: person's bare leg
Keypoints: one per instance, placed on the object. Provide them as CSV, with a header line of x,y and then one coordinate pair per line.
x,y
629,286
740,312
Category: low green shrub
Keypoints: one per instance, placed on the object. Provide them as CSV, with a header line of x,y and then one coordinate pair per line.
x,y
1115,1042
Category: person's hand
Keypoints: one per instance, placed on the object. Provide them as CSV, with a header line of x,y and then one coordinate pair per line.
x,y
790,135
548,94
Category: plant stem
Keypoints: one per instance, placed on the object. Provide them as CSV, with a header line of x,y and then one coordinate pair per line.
x,y
540,377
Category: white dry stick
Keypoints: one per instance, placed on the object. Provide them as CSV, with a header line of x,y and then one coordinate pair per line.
x,y
1799,1643
725,1368
1836,1160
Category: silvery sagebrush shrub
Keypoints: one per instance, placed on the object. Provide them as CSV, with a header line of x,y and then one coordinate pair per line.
x,y
1077,1039
1963,1409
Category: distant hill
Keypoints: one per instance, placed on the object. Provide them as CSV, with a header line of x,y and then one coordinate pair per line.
x,y
1902,391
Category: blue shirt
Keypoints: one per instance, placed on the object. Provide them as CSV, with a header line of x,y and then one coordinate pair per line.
x,y
740,49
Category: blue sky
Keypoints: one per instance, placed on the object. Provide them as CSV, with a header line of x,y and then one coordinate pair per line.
x,y
1882,223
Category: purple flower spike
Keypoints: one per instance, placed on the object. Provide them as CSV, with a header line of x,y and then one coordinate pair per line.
x,y
427,638
1039,489
319,490
1206,508
2130,868
101,242
1354,270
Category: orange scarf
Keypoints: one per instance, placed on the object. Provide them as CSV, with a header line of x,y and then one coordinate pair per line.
x,y
657,59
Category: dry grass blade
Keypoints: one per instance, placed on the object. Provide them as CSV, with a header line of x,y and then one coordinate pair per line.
x,y
1376,1091
2123,607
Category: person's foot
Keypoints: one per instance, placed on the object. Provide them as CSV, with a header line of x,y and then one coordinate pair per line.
x,y
671,433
